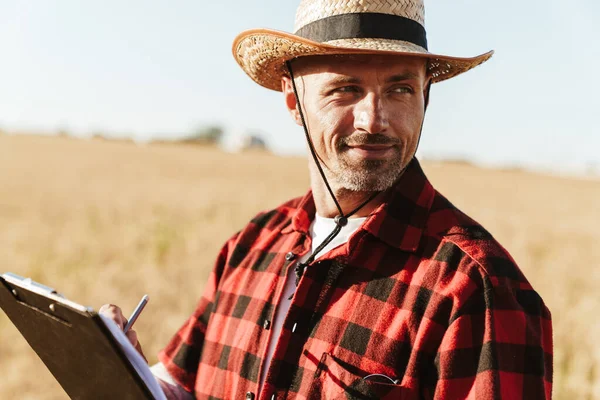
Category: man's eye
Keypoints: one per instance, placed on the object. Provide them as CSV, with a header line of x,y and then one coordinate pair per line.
x,y
346,89
402,89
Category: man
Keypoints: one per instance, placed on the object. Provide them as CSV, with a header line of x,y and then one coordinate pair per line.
x,y
372,285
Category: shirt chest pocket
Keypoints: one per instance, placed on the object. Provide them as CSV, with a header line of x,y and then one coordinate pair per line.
x,y
335,382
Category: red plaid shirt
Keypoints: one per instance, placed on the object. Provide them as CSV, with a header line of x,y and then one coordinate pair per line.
x,y
420,293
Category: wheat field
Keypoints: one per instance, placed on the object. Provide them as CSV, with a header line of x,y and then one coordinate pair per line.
x,y
105,222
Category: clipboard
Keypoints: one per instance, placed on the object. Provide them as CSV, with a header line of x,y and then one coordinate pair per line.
x,y
78,346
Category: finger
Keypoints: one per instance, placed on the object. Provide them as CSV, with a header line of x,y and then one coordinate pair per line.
x,y
114,313
132,337
138,347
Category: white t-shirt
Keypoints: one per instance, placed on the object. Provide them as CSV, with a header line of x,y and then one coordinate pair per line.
x,y
319,229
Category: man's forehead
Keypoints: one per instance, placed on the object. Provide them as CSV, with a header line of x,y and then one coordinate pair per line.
x,y
349,63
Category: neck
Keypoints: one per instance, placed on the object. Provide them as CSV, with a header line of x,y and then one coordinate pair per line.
x,y
348,200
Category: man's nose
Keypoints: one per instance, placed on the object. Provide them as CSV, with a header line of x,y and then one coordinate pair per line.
x,y
370,115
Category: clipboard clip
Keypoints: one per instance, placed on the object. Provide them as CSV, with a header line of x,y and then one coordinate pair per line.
x,y
28,282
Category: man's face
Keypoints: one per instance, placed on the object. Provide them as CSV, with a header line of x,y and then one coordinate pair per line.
x,y
364,115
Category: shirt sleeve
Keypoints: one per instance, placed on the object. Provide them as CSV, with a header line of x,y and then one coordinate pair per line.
x,y
497,346
170,388
181,356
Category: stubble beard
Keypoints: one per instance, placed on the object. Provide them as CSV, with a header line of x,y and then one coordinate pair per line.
x,y
367,175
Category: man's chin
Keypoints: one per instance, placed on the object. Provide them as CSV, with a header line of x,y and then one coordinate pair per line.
x,y
367,175
368,181
366,166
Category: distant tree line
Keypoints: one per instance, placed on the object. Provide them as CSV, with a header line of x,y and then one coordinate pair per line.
x,y
205,135
209,135
213,135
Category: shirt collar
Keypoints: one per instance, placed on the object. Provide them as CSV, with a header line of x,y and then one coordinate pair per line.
x,y
399,221
303,215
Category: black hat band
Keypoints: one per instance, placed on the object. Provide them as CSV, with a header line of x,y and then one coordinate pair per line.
x,y
365,25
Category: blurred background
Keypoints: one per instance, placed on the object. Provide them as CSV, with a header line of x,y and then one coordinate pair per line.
x,y
132,146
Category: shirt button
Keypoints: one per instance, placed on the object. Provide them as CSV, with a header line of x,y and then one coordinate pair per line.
x,y
290,256
249,396
267,324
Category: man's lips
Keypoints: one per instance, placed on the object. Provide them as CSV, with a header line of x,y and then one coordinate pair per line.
x,y
372,150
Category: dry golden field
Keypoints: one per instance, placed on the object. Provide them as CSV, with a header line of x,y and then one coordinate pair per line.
x,y
109,221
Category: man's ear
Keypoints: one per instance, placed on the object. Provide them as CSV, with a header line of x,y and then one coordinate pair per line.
x,y
290,99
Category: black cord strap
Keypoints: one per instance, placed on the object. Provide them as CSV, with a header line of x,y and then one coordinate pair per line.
x,y
342,219
308,139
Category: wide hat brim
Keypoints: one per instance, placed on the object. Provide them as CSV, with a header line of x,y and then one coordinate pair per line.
x,y
262,54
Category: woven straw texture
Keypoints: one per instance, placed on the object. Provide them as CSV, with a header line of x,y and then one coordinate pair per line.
x,y
262,53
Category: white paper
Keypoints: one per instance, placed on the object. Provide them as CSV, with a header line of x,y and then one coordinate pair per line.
x,y
135,359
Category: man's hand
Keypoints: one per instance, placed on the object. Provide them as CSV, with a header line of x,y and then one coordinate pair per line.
x,y
114,313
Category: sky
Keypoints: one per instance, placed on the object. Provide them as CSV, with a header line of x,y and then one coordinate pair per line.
x,y
159,69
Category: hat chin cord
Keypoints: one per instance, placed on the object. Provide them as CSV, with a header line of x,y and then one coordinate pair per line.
x,y
341,220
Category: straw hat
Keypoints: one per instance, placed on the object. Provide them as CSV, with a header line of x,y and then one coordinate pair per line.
x,y
345,27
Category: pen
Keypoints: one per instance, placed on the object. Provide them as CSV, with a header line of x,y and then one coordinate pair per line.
x,y
136,313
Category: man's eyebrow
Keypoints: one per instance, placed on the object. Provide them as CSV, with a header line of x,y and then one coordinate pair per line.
x,y
343,79
402,77
346,79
